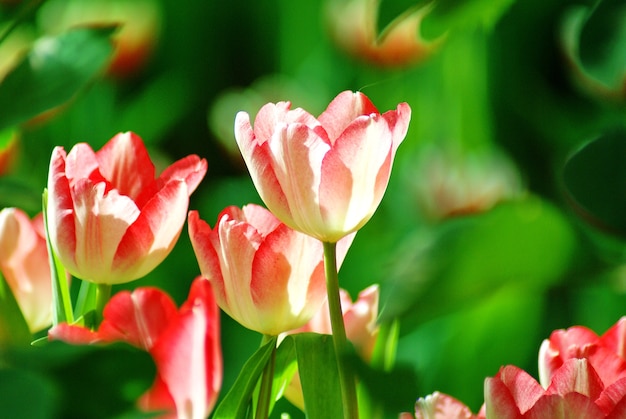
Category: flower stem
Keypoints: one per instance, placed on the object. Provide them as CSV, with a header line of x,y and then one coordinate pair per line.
x,y
340,342
103,294
267,379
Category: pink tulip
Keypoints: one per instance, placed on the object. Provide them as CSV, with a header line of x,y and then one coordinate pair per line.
x,y
24,265
110,221
324,177
441,406
360,320
353,26
184,344
266,276
575,391
607,354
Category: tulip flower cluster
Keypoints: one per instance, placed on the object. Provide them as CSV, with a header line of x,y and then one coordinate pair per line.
x,y
582,375
109,219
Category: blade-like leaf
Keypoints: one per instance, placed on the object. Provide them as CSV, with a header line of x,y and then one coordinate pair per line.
x,y
13,327
53,72
235,404
319,376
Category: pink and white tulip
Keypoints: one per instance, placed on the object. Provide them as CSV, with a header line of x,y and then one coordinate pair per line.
x,y
266,276
24,265
184,344
110,220
322,176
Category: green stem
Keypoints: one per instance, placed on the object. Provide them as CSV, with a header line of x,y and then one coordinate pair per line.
x,y
340,342
267,379
103,294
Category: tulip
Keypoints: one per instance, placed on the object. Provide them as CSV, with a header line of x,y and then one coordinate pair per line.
x,y
575,391
353,25
184,345
607,354
109,220
266,276
359,318
24,265
441,406
324,177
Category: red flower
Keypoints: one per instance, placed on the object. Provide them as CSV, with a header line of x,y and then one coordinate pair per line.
x,y
266,276
184,344
607,354
575,391
324,177
110,221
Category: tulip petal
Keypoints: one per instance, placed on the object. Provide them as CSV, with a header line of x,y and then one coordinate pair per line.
x,y
82,163
138,318
354,175
151,237
102,219
297,153
615,338
76,335
190,169
201,235
288,283
569,406
122,155
345,108
60,211
258,159
441,406
576,375
193,380
512,390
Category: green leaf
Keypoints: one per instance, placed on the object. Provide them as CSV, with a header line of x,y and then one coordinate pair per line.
x,y
319,376
468,259
83,381
53,72
595,178
61,300
14,330
26,395
284,368
238,399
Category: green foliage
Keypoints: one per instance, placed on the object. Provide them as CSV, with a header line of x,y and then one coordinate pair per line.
x,y
52,73
595,178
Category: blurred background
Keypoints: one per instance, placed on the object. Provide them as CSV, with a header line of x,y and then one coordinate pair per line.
x,y
505,216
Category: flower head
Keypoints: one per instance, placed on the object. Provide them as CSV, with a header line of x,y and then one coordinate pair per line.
x,y
266,276
184,344
322,176
109,219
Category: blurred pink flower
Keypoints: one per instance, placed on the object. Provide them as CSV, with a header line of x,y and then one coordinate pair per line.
x,y
266,276
324,177
353,26
110,221
441,406
24,264
359,318
184,343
